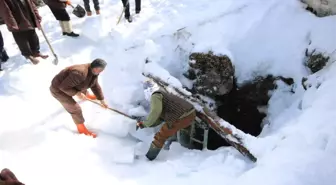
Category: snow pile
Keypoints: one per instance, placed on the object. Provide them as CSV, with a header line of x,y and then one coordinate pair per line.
x,y
38,137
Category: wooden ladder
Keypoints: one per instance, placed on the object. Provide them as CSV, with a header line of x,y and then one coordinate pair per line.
x,y
198,122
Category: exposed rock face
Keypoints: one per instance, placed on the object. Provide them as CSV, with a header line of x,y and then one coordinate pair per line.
x,y
212,75
237,104
321,8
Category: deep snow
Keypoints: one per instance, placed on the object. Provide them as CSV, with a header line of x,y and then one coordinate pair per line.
x,y
261,36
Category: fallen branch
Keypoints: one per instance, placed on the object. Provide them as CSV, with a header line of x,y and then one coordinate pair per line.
x,y
224,129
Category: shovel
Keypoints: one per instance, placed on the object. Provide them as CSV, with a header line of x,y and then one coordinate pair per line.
x,y
51,48
78,11
122,13
114,110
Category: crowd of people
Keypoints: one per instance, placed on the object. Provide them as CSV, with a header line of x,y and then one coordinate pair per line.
x,y
22,18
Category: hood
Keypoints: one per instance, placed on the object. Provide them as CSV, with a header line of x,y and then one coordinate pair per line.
x,y
149,88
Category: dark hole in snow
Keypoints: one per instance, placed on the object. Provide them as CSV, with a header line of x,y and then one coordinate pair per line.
x,y
238,104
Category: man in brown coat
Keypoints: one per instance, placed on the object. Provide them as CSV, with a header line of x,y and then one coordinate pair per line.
x,y
75,80
21,18
175,112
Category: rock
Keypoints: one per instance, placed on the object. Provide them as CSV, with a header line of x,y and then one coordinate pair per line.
x,y
212,75
315,61
321,8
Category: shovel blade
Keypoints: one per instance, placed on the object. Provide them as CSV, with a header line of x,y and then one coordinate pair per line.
x,y
79,11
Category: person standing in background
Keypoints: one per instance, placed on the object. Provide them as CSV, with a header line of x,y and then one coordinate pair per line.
x,y
21,18
57,7
88,9
127,9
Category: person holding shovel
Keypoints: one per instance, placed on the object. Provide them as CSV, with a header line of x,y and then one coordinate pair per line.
x,y
175,112
75,80
57,7
21,18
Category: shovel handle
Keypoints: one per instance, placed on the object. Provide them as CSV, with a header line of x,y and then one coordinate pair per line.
x,y
114,110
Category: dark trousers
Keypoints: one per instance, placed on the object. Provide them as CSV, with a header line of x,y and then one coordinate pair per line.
x,y
28,42
60,14
3,54
1,42
127,9
87,5
1,49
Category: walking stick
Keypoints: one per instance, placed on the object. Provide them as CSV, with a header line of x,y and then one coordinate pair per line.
x,y
114,110
51,48
123,11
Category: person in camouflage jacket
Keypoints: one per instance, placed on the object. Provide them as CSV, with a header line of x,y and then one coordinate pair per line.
x,y
175,112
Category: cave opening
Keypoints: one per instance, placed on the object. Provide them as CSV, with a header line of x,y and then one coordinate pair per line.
x,y
243,105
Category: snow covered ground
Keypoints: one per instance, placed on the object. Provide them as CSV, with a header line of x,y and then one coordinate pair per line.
x,y
261,36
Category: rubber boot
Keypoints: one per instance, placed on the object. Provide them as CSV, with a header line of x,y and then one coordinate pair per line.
x,y
91,96
98,12
89,13
153,152
83,130
68,29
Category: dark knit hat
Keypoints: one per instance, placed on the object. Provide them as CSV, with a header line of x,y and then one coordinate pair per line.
x,y
98,63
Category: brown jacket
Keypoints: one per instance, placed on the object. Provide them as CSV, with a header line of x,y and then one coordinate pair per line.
x,y
74,79
20,15
57,4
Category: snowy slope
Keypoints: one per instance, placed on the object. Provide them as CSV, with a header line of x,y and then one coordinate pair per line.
x,y
261,36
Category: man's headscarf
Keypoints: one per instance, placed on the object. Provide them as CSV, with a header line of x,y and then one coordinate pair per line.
x,y
149,88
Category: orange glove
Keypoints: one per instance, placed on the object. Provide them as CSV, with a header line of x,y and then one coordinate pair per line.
x,y
83,130
91,96
139,125
68,2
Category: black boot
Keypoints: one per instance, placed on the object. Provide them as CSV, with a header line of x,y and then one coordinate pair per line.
x,y
129,19
72,34
67,29
153,152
